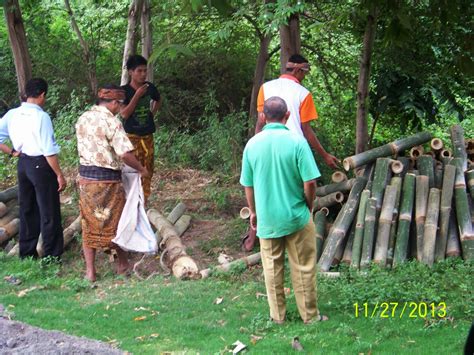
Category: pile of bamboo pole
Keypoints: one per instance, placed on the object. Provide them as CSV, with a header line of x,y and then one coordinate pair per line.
x,y
412,198
9,221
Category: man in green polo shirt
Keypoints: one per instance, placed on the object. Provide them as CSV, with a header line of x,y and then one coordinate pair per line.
x,y
278,173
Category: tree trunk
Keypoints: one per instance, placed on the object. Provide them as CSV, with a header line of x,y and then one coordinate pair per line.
x,y
147,37
363,83
258,77
17,37
131,39
290,40
87,57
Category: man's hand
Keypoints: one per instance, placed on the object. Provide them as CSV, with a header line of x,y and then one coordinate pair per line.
x,y
331,161
144,172
253,221
141,90
61,182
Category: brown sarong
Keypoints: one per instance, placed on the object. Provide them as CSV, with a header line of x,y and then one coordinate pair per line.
x,y
101,204
145,154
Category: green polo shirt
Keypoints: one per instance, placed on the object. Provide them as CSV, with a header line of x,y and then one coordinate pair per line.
x,y
275,163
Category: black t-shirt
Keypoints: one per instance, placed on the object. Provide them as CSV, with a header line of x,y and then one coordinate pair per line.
x,y
141,121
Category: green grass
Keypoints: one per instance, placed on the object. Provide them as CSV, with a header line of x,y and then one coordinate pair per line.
x,y
148,317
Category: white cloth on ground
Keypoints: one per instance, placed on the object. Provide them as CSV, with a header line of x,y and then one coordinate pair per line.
x,y
134,232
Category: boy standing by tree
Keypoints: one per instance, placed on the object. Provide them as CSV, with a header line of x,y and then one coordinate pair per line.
x,y
142,101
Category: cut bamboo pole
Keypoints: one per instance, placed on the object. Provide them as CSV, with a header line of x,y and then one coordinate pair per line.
x,y
9,231
470,182
15,251
416,152
404,220
459,146
406,162
431,227
359,229
10,215
397,182
445,153
436,144
320,220
384,225
9,194
340,229
3,209
347,255
344,186
181,264
396,166
386,150
453,248
381,179
425,166
369,233
244,213
338,176
438,176
182,224
420,212
328,200
247,261
68,235
463,213
176,213
445,211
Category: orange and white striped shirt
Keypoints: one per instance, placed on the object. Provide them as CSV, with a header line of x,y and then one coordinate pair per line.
x,y
298,99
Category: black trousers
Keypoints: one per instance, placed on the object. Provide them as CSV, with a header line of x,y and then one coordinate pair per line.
x,y
39,207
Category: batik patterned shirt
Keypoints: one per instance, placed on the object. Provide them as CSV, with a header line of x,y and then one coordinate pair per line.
x,y
101,139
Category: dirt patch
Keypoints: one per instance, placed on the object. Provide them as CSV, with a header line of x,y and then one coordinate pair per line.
x,y
20,338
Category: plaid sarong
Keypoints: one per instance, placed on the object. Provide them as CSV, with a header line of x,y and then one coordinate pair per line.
x,y
101,204
144,152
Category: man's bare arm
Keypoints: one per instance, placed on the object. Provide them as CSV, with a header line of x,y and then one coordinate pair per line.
x,y
53,162
310,193
260,122
314,143
249,195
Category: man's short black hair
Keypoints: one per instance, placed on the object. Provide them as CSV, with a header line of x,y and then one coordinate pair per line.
x,y
35,87
135,60
275,108
298,58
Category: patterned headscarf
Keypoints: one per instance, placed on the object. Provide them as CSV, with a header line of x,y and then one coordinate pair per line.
x,y
302,66
111,94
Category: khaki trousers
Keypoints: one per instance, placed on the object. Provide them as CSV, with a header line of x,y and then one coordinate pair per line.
x,y
301,247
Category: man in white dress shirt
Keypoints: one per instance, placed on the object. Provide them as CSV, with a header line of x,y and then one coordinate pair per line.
x,y
40,179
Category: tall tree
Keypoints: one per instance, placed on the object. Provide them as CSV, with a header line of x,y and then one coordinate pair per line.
x,y
130,46
147,40
362,135
290,40
87,56
17,37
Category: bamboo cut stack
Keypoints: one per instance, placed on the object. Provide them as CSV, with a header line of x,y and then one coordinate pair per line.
x,y
9,213
412,199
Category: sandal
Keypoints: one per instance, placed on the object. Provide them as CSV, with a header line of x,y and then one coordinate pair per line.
x,y
319,318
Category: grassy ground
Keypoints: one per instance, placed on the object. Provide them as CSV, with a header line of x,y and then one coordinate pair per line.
x,y
165,315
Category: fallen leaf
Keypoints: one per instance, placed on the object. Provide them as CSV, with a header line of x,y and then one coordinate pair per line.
x,y
218,300
254,339
243,330
221,322
295,344
287,290
24,292
154,335
140,338
234,298
260,295
140,309
139,318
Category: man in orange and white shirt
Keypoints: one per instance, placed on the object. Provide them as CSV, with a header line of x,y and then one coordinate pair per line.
x,y
300,104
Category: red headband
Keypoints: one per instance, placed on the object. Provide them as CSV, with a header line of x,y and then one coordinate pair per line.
x,y
111,94
302,66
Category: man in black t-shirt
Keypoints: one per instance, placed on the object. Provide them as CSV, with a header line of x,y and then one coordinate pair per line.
x,y
142,101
